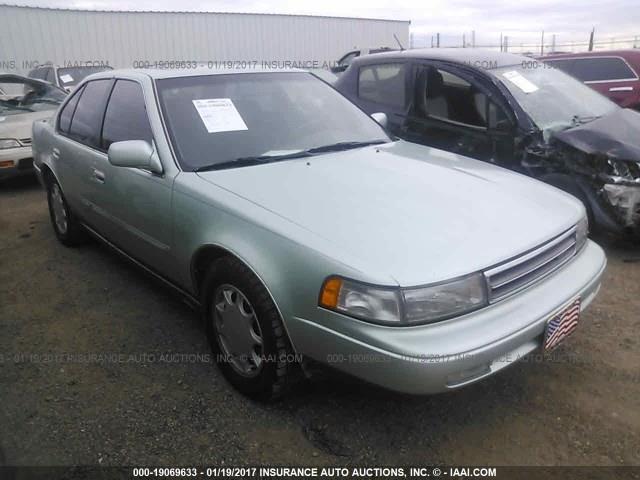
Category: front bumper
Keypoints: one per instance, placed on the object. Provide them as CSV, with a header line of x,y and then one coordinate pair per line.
x,y
445,355
20,159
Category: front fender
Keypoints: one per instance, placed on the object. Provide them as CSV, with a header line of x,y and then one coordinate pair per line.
x,y
286,260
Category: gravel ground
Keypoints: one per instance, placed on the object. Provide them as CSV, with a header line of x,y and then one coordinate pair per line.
x,y
163,402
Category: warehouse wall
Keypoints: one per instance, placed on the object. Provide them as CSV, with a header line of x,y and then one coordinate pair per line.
x,y
30,36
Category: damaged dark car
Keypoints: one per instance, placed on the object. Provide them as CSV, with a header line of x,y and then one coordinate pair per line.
x,y
512,111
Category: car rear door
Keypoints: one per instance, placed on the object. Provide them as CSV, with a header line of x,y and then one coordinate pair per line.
x,y
78,148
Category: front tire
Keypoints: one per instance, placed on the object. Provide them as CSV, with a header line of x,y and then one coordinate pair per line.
x,y
65,224
245,331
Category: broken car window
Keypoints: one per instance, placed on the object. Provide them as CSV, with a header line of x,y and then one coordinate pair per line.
x,y
553,99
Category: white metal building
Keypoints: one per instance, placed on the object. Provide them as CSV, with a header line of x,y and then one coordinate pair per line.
x,y
33,36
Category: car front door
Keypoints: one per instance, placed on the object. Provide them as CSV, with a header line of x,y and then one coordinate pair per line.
x,y
458,112
382,88
136,203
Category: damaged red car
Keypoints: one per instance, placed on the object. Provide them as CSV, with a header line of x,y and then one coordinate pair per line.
x,y
512,111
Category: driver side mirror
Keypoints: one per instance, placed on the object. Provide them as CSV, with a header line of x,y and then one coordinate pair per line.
x,y
134,154
381,118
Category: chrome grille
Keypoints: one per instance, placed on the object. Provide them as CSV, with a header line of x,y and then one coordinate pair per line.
x,y
514,275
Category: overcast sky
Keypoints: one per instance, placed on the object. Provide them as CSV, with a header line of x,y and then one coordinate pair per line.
x,y
521,20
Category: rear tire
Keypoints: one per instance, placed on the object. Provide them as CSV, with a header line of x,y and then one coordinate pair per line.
x,y
257,359
65,224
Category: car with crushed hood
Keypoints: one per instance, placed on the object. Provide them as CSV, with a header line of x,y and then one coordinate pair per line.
x,y
304,234
67,76
506,110
23,101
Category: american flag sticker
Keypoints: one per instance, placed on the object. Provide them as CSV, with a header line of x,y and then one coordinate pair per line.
x,y
562,325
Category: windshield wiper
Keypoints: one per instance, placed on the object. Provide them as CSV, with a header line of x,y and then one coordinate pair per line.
x,y
336,147
250,161
261,159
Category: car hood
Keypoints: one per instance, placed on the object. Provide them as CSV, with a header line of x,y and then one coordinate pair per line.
x,y
18,125
616,135
420,214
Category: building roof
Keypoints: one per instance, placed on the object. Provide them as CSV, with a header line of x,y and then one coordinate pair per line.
x,y
106,10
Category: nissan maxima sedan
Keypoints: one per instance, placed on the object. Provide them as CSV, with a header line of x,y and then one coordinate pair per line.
x,y
304,233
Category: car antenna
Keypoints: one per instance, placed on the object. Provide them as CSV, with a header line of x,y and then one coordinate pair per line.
x,y
396,37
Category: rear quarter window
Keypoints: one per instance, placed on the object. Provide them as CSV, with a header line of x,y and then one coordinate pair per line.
x,y
64,121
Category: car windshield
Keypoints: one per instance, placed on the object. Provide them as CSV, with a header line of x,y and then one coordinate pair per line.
x,y
37,98
553,99
219,119
70,76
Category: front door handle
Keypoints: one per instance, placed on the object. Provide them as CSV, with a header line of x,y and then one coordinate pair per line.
x,y
98,175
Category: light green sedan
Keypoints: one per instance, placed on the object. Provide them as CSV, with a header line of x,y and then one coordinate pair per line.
x,y
305,234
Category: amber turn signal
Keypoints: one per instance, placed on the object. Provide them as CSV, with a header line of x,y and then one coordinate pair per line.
x,y
330,292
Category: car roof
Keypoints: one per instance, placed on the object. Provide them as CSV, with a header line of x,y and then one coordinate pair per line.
x,y
469,56
633,55
177,73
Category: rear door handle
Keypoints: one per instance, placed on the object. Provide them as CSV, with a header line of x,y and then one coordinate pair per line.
x,y
98,175
55,153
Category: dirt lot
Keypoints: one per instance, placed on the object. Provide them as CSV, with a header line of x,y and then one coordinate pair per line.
x,y
581,407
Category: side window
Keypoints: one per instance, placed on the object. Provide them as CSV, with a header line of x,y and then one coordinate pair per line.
x,y
382,83
49,77
444,95
126,116
87,120
602,69
64,120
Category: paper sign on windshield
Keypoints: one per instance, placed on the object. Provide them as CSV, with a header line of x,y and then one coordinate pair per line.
x,y
66,78
219,115
519,81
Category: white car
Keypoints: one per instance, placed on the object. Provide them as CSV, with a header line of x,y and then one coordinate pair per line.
x,y
66,77
22,101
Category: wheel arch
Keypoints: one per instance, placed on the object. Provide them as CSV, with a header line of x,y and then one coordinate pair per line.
x,y
208,253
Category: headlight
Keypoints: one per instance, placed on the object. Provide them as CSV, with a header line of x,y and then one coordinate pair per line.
x,y
450,299
582,232
368,302
8,143
404,306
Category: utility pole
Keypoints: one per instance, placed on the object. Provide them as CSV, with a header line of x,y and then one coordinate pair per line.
x,y
501,44
593,31
473,38
464,42
506,43
553,43
437,40
542,44
431,41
